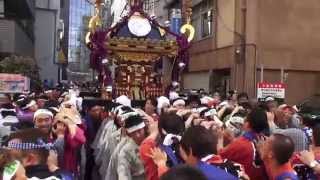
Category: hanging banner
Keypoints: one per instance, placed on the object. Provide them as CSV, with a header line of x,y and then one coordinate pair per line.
x,y
275,90
175,20
14,83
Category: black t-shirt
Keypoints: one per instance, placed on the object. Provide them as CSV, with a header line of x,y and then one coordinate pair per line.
x,y
41,171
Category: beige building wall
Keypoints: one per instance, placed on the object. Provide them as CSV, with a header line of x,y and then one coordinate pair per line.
x,y
225,23
197,80
288,37
289,34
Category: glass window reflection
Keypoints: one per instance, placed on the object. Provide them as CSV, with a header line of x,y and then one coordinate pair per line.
x,y
78,10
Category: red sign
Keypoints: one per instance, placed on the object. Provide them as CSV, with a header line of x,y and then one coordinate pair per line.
x,y
276,90
13,83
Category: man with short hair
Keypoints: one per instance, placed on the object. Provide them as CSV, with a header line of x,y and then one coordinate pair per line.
x,y
43,120
276,152
243,149
242,98
92,121
281,123
109,155
197,146
178,103
130,166
271,104
206,143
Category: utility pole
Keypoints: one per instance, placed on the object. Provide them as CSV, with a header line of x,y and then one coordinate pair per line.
x,y
243,39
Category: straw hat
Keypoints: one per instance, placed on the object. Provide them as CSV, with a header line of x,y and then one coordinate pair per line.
x,y
68,115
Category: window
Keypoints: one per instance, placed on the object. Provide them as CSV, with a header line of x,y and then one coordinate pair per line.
x,y
202,19
206,24
61,4
1,8
150,5
78,10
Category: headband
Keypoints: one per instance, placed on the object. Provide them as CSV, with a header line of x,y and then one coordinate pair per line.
x,y
48,91
109,89
42,112
136,127
117,110
211,112
31,103
54,109
199,110
179,102
127,115
168,139
7,110
269,99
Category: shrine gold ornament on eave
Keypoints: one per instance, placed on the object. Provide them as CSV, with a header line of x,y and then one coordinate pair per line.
x,y
141,49
136,57
149,43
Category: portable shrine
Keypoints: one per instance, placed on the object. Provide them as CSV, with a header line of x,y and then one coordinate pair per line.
x,y
135,45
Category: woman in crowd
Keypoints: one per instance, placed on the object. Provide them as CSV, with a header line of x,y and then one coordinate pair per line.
x,y
69,129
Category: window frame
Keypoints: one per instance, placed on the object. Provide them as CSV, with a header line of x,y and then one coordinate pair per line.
x,y
198,16
202,23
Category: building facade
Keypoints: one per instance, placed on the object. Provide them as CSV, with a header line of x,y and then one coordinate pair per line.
x,y
29,28
242,42
47,33
17,27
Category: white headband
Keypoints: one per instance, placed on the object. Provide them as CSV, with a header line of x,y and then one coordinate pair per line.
x,y
173,95
206,100
136,127
179,102
64,94
211,112
5,109
168,139
55,109
109,89
32,103
199,110
117,109
124,100
42,112
127,115
49,91
269,99
162,102
20,99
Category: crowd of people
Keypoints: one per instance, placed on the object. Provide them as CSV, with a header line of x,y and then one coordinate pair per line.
x,y
57,134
